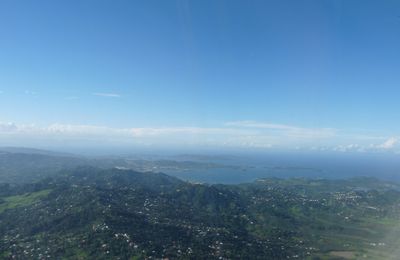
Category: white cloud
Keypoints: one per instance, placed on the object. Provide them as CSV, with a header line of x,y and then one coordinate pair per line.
x,y
66,134
287,130
68,129
389,143
349,148
110,95
243,134
29,92
101,134
185,130
7,127
71,98
85,130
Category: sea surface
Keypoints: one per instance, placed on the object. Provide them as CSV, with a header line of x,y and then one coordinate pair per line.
x,y
250,167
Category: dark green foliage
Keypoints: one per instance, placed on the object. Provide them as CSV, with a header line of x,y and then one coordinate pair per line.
x,y
89,213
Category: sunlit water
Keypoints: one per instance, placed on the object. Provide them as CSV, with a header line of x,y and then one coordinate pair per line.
x,y
248,168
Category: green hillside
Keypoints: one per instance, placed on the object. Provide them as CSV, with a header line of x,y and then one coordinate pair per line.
x,y
119,214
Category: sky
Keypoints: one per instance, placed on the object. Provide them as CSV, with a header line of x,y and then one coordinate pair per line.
x,y
314,75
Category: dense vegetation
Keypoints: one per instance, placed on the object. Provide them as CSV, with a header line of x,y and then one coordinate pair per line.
x,y
120,214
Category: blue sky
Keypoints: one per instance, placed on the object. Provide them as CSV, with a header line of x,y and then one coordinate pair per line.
x,y
288,74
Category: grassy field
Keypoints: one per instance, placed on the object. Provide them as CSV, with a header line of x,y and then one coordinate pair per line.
x,y
22,200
